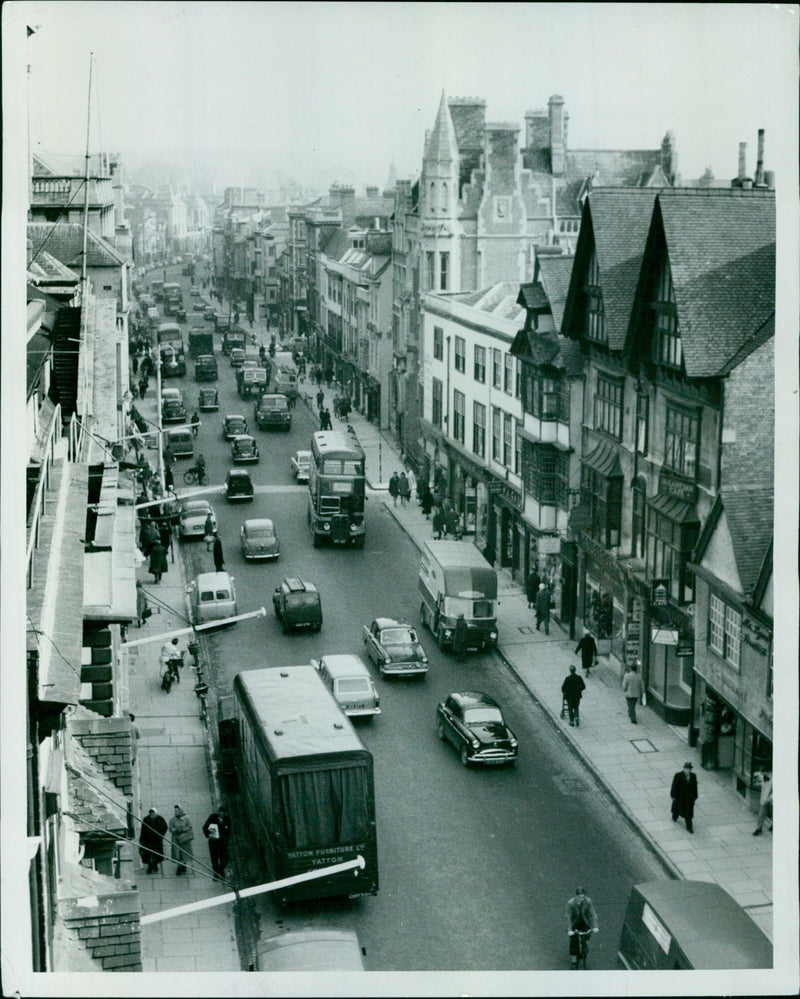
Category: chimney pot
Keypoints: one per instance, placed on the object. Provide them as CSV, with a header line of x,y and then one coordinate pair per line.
x,y
742,161
769,178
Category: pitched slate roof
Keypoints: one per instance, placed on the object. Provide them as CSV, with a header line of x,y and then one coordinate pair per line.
x,y
749,515
619,220
554,273
335,245
721,248
64,240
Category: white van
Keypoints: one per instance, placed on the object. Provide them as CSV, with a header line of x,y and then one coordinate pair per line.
x,y
211,597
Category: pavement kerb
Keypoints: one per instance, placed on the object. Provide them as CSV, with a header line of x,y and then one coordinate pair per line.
x,y
652,845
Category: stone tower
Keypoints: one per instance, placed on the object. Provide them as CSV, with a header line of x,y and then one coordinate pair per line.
x,y
440,168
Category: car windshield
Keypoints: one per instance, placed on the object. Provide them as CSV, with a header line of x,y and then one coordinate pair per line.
x,y
398,636
352,685
196,511
301,600
260,532
479,716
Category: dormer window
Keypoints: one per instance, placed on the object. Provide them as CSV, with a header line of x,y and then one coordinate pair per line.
x,y
595,324
666,344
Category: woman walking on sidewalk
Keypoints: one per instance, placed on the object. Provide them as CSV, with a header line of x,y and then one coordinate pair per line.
x,y
151,840
180,829
158,561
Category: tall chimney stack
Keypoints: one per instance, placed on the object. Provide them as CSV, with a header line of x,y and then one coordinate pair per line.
x,y
759,179
742,161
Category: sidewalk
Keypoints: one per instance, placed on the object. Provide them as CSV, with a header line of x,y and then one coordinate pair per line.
x,y
634,764
172,768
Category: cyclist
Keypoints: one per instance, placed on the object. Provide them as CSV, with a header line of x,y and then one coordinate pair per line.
x,y
200,468
171,663
581,922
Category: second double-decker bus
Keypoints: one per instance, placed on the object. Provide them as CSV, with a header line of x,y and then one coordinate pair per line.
x,y
336,482
306,782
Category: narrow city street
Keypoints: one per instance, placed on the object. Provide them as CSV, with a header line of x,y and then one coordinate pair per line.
x,y
475,865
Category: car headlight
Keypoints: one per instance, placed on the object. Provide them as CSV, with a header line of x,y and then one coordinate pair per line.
x,y
447,633
424,659
474,743
387,660
514,743
492,634
326,526
353,528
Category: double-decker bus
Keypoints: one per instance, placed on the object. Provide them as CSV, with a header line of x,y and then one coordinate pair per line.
x,y
336,483
173,298
306,782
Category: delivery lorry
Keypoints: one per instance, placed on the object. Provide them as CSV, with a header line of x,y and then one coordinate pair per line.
x,y
201,341
455,580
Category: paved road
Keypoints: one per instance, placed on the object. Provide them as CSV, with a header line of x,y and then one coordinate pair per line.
x,y
475,866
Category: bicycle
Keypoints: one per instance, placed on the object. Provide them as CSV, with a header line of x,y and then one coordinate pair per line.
x,y
579,949
193,475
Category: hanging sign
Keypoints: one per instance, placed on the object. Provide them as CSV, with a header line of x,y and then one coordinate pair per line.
x,y
664,636
659,592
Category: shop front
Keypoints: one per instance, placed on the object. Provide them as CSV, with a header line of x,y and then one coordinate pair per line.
x,y
506,531
468,493
603,599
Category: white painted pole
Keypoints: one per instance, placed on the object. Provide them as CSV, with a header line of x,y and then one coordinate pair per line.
x,y
208,903
261,612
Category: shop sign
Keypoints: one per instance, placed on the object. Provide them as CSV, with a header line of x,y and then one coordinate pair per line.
x,y
685,646
633,630
664,636
659,592
505,492
549,544
677,488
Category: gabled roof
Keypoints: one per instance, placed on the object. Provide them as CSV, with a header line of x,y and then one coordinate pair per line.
x,y
554,273
64,240
721,249
615,224
749,515
549,349
335,245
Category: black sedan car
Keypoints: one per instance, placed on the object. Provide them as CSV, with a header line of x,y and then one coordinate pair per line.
x,y
474,724
208,400
244,449
233,425
238,486
208,312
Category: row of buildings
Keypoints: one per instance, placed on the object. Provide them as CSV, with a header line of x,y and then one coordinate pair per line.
x,y
578,345
77,858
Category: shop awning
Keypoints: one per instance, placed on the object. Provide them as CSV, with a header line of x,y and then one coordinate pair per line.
x,y
604,459
109,571
674,509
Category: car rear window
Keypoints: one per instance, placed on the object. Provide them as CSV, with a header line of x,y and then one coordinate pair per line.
x,y
223,595
477,716
352,685
206,596
302,600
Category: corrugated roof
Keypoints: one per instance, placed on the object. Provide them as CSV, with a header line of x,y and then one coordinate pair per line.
x,y
721,248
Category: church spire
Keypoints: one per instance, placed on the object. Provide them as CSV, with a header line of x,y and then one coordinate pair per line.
x,y
440,166
442,145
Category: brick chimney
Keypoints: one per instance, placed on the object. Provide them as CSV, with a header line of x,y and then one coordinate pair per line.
x,y
741,178
555,108
371,191
537,129
468,115
759,178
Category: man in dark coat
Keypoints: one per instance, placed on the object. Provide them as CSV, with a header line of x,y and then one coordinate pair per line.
x,y
158,561
325,419
148,536
684,794
460,633
151,840
219,561
426,500
543,608
438,523
217,830
587,647
394,487
320,400
572,688
532,587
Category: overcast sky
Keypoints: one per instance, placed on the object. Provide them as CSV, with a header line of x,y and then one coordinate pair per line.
x,y
354,86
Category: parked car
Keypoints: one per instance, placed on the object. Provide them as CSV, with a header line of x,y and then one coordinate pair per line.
x,y
208,400
205,368
180,315
244,449
297,604
311,950
394,648
192,522
236,357
233,425
272,412
195,292
474,724
259,539
300,462
238,485
208,312
349,681
212,596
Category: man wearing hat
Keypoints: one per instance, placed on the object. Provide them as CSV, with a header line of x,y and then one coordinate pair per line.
x,y
684,795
